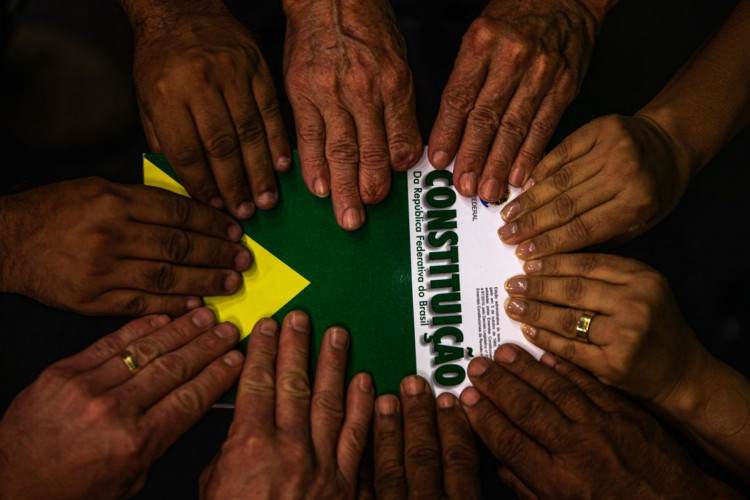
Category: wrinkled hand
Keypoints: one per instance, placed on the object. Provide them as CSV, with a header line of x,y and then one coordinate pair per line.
x,y
421,453
283,443
520,64
97,247
351,91
609,181
639,340
208,101
561,434
89,428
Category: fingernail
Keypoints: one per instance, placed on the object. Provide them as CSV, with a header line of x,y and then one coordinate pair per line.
x,y
414,385
364,383
470,397
299,321
160,321
226,331
232,358
446,401
193,303
216,202
283,162
267,199
352,218
505,354
508,231
441,159
320,188
490,190
532,266
339,338
246,210
526,250
202,318
515,306
529,184
510,211
386,405
516,176
468,183
529,331
549,359
268,327
478,366
232,282
516,285
234,231
242,260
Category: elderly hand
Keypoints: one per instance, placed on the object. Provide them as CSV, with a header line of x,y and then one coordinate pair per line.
x,y
208,101
560,433
283,442
102,248
90,428
520,64
609,181
421,453
351,91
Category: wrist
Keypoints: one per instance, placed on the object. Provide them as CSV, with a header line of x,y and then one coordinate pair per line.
x,y
687,395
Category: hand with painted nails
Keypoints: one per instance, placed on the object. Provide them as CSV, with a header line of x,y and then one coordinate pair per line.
x,y
97,247
208,102
285,442
559,433
638,341
91,425
351,92
608,182
520,64
421,452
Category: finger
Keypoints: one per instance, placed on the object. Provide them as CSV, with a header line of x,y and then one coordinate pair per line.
x,y
588,356
374,158
536,415
603,267
460,458
268,105
521,490
164,278
560,320
138,303
293,384
170,370
365,489
222,150
354,433
573,147
160,207
311,143
506,441
177,246
422,457
184,406
327,410
402,130
177,134
106,347
457,101
570,291
251,133
342,157
255,406
388,439
148,131
146,348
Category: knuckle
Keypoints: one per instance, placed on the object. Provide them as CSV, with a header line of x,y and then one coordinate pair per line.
x,y
574,289
146,349
328,402
374,157
484,118
135,305
569,351
423,453
343,152
579,230
481,35
542,128
162,278
458,99
222,145
460,456
513,127
564,207
295,384
186,156
311,133
191,401
173,367
259,381
562,180
390,475
101,408
509,445
588,263
570,320
182,210
178,246
251,131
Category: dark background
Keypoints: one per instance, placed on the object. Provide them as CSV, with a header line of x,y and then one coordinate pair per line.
x,y
67,109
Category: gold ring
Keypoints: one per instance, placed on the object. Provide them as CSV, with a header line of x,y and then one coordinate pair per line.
x,y
584,323
131,362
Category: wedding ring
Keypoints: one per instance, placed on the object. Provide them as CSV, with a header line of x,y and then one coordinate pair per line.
x,y
583,326
130,362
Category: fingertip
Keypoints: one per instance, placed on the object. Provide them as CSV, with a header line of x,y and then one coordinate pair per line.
x,y
244,210
266,326
446,401
517,176
267,200
364,382
440,159
233,359
283,163
352,219
387,405
470,397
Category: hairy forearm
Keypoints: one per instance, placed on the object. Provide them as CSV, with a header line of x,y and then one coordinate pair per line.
x,y
708,101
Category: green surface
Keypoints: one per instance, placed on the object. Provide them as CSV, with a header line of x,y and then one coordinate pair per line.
x,y
359,280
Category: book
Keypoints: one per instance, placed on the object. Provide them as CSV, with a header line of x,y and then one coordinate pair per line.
x,y
419,286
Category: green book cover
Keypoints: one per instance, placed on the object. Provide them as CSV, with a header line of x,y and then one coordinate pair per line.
x,y
419,286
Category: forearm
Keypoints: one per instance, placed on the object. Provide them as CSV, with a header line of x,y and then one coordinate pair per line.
x,y
708,101
148,15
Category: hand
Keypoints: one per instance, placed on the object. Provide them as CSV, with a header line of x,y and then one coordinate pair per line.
x,y
207,100
560,433
102,248
351,91
520,64
609,181
89,428
283,443
423,454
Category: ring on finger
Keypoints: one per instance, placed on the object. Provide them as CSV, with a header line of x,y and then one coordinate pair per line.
x,y
584,325
133,365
